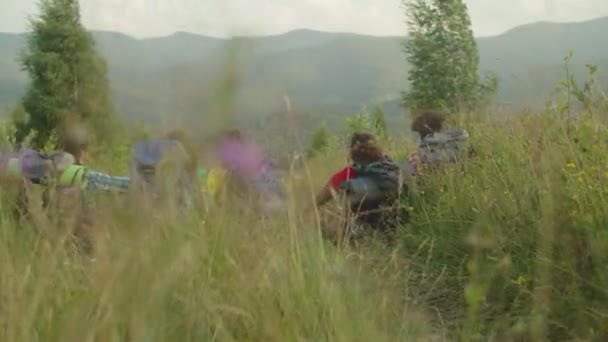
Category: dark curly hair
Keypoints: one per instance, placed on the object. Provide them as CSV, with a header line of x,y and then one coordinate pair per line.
x,y
364,150
233,133
428,123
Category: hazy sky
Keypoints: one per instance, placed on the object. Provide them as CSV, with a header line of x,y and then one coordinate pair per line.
x,y
143,18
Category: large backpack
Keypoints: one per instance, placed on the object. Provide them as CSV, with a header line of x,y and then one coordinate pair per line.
x,y
37,167
158,167
440,148
57,172
375,184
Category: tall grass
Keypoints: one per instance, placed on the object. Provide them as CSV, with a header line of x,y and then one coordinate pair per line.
x,y
223,275
509,245
514,241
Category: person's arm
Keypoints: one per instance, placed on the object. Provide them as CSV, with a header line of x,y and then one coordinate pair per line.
x,y
324,196
326,193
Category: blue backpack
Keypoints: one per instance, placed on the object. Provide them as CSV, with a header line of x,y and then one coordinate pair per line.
x,y
158,167
34,166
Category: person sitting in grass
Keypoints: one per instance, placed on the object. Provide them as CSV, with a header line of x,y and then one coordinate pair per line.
x,y
371,185
76,143
67,182
249,171
435,147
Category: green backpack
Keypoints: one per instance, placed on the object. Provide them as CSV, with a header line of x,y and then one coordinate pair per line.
x,y
374,184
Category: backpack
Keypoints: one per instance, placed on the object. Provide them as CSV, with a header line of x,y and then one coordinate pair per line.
x,y
36,167
57,172
158,167
441,148
375,184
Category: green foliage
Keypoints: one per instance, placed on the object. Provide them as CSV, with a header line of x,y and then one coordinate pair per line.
x,y
7,131
359,122
68,78
443,56
321,141
569,96
380,125
19,118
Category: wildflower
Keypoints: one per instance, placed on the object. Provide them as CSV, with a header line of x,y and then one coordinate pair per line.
x,y
571,166
521,280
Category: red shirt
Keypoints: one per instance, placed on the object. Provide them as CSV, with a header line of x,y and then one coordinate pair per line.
x,y
341,176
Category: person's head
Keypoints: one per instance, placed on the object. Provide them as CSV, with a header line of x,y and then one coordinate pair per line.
x,y
75,140
364,149
183,138
233,134
428,123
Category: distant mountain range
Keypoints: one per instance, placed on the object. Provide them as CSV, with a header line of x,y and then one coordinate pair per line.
x,y
322,73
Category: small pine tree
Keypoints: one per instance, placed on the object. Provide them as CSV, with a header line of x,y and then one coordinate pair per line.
x,y
443,56
380,124
360,122
68,78
321,140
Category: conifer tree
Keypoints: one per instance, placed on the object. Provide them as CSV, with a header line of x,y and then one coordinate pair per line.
x,y
68,81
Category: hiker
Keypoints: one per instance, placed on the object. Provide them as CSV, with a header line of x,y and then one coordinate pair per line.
x,y
75,142
371,185
161,173
67,183
435,148
197,176
249,171
62,169
191,164
76,185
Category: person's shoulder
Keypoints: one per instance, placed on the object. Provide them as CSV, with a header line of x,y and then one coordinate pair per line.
x,y
348,169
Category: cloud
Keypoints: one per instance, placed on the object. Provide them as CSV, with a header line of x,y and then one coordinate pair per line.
x,y
227,17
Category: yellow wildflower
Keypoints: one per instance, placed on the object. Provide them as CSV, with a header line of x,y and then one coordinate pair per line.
x,y
571,166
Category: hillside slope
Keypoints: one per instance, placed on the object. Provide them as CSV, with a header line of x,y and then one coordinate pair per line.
x,y
325,73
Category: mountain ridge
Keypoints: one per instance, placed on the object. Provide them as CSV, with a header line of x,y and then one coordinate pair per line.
x,y
326,73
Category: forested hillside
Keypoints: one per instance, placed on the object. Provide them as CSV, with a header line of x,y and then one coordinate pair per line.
x,y
322,73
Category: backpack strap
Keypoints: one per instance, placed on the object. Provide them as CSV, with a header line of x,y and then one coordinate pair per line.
x,y
72,175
